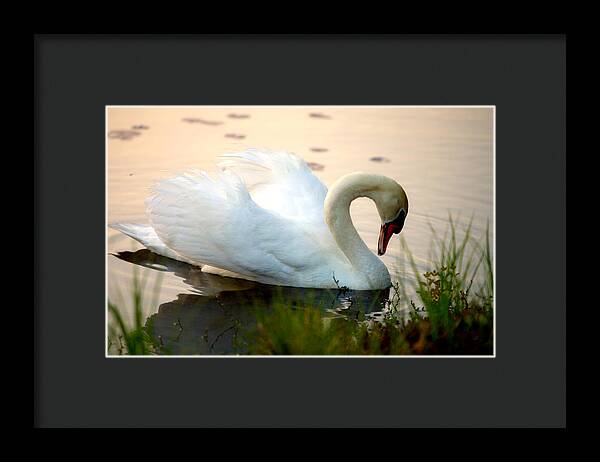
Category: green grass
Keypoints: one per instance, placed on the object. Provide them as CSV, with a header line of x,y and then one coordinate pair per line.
x,y
124,339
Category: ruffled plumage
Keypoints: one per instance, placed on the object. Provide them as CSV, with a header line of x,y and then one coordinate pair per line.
x,y
260,216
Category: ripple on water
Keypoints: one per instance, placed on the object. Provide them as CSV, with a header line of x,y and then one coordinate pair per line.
x,y
315,166
123,134
198,120
380,159
319,115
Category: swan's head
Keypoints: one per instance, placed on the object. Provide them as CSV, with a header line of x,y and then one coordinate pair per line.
x,y
388,195
392,205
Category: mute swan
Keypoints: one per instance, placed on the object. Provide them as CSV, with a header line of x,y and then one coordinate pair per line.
x,y
265,217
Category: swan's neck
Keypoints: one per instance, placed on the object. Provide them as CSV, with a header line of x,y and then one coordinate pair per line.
x,y
337,217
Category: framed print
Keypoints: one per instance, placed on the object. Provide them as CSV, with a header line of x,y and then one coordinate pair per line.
x,y
270,231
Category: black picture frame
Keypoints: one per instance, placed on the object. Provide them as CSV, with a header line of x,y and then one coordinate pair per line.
x,y
76,76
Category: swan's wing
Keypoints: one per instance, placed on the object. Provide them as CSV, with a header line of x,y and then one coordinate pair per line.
x,y
213,220
281,182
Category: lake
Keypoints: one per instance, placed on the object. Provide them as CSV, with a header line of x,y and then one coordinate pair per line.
x,y
442,156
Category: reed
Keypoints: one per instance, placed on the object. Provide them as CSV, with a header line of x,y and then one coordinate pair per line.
x,y
135,339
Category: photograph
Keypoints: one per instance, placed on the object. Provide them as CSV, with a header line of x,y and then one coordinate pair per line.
x,y
300,231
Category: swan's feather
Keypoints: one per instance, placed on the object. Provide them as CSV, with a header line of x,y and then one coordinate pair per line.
x,y
213,220
281,182
146,236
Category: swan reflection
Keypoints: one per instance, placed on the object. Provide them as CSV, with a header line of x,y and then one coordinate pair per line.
x,y
211,320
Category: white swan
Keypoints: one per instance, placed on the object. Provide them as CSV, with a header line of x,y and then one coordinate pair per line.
x,y
265,217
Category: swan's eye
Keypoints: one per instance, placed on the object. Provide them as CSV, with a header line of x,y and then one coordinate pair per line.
x,y
398,222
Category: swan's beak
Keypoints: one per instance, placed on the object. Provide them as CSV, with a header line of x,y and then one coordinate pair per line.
x,y
389,229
